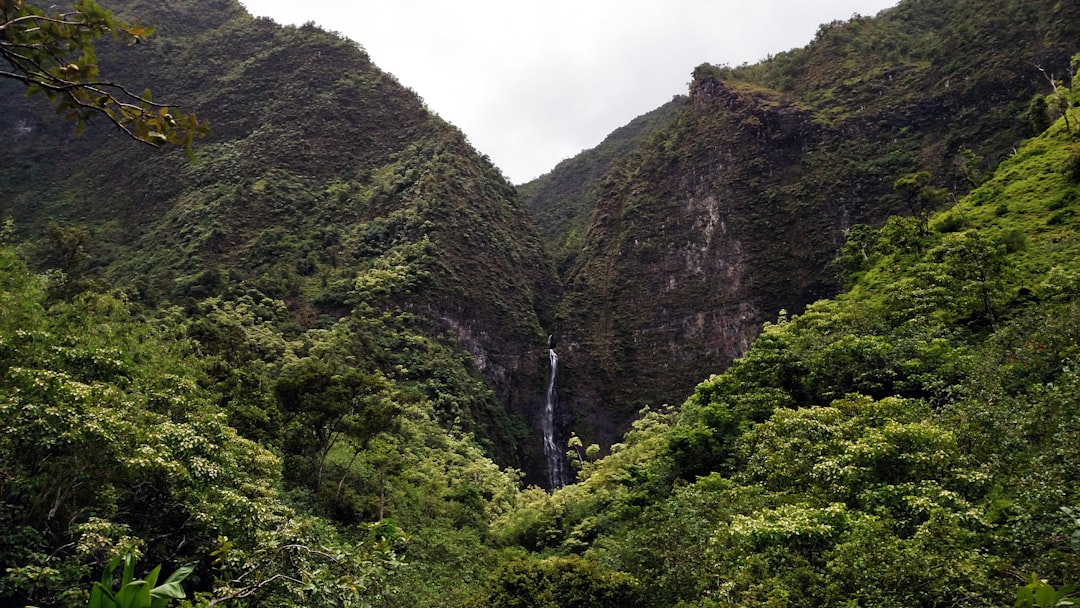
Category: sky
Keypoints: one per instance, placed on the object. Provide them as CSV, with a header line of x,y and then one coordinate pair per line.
x,y
531,83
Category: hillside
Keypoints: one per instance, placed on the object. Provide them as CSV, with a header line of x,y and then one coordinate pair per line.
x,y
906,443
325,185
563,200
735,209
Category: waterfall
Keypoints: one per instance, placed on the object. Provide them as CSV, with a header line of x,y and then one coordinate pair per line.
x,y
556,470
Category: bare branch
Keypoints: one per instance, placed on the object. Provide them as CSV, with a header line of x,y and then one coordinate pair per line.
x,y
38,18
252,589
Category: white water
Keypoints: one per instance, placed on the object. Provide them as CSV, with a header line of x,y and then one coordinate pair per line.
x,y
556,471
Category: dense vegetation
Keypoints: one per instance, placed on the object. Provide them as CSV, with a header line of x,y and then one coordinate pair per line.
x,y
908,443
325,186
303,385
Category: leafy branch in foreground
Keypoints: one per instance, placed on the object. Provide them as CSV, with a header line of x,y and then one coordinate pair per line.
x,y
54,54
1037,593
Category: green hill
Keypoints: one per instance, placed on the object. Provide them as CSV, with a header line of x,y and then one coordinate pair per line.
x,y
325,185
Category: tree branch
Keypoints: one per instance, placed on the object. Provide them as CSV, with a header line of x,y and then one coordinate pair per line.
x,y
62,20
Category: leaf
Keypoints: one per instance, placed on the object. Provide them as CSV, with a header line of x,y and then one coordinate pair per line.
x,y
171,587
101,597
129,571
132,595
107,575
151,579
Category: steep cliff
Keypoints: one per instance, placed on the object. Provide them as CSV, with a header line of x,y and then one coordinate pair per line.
x,y
735,209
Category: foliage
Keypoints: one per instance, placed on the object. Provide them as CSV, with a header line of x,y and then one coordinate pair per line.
x,y
168,478
54,54
327,336
569,582
306,562
1072,165
1038,593
878,449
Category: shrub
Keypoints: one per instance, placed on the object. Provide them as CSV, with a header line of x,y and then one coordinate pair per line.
x,y
561,582
1072,165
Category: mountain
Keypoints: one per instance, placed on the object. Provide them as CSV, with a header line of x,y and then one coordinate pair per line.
x,y
325,185
734,209
902,444
563,200
304,364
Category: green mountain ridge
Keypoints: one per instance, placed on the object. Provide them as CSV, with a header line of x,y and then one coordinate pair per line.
x,y
321,170
563,199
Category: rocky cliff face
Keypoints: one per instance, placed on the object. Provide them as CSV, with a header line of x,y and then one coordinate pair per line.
x,y
689,251
734,210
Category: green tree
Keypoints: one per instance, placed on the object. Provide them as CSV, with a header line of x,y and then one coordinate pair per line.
x,y
978,268
53,54
1038,113
1059,102
921,197
326,405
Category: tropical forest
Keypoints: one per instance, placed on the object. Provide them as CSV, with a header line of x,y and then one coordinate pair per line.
x,y
273,333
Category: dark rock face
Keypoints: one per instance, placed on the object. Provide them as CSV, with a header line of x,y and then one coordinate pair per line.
x,y
685,262
734,210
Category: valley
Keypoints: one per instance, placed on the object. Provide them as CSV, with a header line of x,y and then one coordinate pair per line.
x,y
804,336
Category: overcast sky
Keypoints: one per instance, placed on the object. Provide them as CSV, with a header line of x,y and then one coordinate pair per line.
x,y
531,83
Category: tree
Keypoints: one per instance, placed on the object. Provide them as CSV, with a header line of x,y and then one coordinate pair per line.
x,y
1038,113
977,268
1060,101
53,54
560,581
921,197
323,405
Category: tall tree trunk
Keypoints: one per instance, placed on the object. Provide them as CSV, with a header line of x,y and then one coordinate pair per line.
x,y
382,490
341,483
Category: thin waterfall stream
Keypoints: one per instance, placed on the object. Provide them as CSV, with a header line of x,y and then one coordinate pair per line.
x,y
554,456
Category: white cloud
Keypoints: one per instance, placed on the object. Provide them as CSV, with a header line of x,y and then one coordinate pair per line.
x,y
532,82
